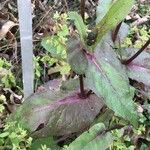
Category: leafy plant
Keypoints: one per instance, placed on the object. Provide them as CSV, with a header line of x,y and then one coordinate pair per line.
x,y
78,21
92,139
7,78
38,68
65,103
44,144
56,43
67,107
14,137
143,36
2,101
52,65
114,15
120,140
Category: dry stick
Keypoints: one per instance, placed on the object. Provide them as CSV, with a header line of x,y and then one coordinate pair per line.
x,y
82,9
126,62
66,5
44,16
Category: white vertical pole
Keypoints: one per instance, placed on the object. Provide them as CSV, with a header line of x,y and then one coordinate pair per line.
x,y
25,25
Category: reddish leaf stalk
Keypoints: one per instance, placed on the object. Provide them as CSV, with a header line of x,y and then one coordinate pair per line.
x,y
115,32
82,91
126,62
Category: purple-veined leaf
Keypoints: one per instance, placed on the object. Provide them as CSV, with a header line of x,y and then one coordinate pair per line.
x,y
139,68
57,112
76,57
92,140
107,78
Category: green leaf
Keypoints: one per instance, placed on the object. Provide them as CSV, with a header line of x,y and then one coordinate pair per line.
x,y
3,135
64,31
49,142
107,77
116,14
81,27
91,140
102,8
56,48
65,69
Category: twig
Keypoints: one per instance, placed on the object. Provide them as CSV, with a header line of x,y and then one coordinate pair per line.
x,y
82,9
3,4
126,62
66,5
44,16
141,21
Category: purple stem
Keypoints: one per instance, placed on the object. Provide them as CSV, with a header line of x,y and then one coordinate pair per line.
x,y
82,91
126,62
115,32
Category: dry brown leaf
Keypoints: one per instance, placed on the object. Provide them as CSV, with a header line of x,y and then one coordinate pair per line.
x,y
5,28
54,70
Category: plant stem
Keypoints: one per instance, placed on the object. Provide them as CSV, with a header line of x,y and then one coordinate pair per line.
x,y
115,32
126,62
117,126
82,91
82,9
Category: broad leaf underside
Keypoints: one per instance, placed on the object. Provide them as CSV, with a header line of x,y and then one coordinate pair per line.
x,y
139,68
76,57
57,112
107,78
